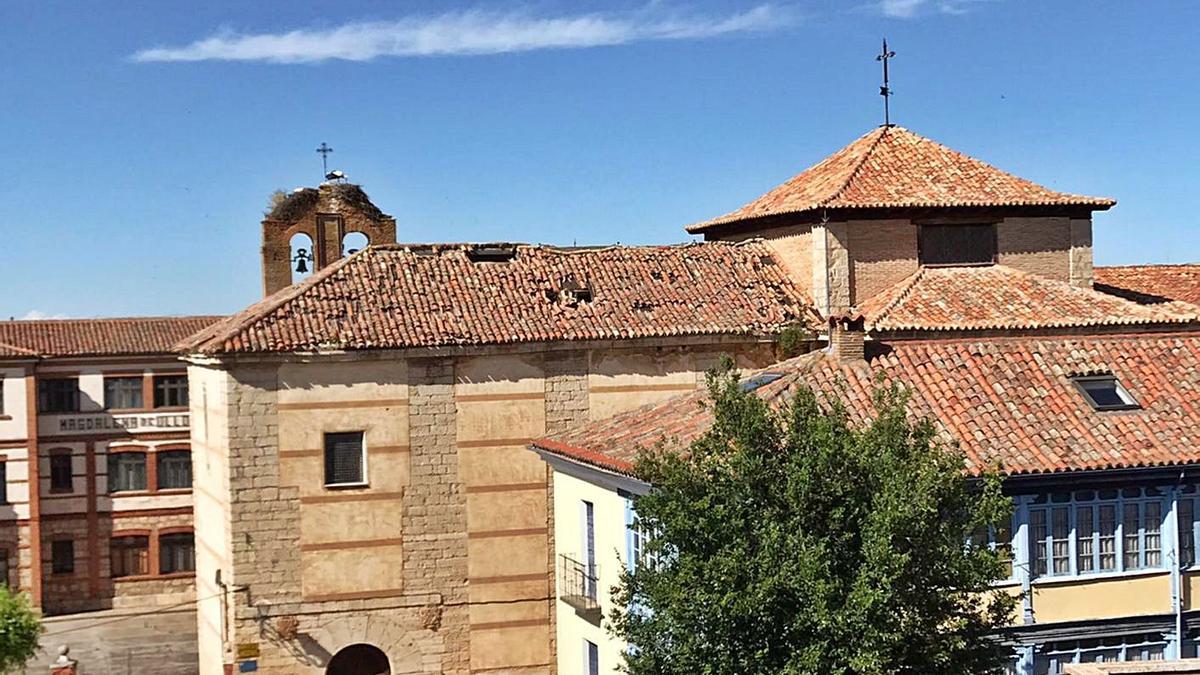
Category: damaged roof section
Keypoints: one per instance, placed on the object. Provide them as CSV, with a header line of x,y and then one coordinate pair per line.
x,y
399,296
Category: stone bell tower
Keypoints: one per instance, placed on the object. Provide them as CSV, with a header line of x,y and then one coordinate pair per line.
x,y
325,214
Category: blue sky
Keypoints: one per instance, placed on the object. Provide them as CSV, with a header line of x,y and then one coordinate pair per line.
x,y
142,140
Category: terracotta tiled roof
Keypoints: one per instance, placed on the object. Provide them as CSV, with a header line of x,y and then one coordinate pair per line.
x,y
424,296
97,337
891,167
995,297
1151,284
1008,402
7,350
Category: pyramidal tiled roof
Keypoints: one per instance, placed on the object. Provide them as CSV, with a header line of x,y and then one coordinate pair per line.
x,y
996,297
892,167
434,295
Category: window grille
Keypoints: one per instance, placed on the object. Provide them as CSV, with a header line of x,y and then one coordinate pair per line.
x,y
344,454
958,244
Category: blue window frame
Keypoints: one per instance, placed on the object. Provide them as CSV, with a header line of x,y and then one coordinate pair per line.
x,y
1096,531
999,539
1189,526
1053,657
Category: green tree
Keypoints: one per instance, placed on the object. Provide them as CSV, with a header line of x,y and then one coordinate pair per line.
x,y
794,541
19,630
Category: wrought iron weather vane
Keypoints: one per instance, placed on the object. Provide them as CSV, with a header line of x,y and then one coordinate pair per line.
x,y
324,150
886,91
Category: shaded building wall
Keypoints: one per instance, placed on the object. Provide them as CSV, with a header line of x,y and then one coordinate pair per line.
x,y
843,263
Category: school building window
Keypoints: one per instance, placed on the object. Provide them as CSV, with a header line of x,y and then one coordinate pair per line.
x,y
170,391
130,555
58,395
126,471
345,455
61,473
122,393
3,482
62,556
176,553
1096,531
174,470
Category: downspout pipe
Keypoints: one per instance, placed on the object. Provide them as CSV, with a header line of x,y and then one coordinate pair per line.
x,y
1177,569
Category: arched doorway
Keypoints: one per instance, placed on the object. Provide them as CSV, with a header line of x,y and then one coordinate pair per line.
x,y
360,659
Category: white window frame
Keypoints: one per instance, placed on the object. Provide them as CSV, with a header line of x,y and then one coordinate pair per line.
x,y
1128,402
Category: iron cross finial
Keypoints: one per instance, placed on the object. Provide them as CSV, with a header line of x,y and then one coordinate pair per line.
x,y
886,91
324,150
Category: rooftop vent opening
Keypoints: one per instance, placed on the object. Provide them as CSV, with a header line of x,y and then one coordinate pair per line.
x,y
492,253
572,290
1104,392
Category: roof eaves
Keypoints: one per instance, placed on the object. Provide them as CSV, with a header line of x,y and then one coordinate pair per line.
x,y
216,338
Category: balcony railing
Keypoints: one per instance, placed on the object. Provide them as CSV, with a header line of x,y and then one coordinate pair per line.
x,y
578,584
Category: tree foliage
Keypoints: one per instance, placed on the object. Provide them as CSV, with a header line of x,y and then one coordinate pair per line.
x,y
20,628
794,542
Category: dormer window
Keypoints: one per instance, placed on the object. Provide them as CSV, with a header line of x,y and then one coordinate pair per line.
x,y
944,245
1104,392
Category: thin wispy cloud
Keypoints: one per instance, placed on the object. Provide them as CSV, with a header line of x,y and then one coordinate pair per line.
x,y
35,314
907,9
469,33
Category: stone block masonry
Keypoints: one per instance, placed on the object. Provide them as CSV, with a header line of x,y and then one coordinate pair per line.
x,y
435,507
566,407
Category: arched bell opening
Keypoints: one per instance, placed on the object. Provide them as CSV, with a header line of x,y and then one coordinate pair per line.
x,y
302,257
354,242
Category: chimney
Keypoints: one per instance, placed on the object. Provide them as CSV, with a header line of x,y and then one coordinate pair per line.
x,y
847,336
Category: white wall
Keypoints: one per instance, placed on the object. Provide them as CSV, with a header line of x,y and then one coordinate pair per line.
x,y
609,519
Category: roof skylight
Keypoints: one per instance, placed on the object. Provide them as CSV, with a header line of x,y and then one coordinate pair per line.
x,y
756,381
1104,392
